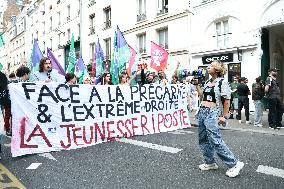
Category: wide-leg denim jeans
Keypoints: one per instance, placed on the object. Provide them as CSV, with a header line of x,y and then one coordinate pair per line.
x,y
210,139
258,112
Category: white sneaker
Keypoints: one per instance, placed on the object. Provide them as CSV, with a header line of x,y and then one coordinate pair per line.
x,y
207,167
240,121
260,125
248,122
234,171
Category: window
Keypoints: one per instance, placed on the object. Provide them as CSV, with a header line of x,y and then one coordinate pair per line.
x,y
162,7
50,28
44,46
50,41
59,18
32,38
92,50
163,37
59,38
92,24
107,12
68,12
108,48
79,32
36,34
222,33
68,35
141,10
141,38
43,33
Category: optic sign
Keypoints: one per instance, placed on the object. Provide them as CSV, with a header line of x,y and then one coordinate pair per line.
x,y
52,116
222,57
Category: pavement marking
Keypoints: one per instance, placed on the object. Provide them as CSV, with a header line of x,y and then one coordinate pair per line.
x,y
270,171
8,180
180,132
34,166
150,145
48,156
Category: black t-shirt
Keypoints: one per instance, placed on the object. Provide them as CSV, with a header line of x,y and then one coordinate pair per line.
x,y
274,90
243,90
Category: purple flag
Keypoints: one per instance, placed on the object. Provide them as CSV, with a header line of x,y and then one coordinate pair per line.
x,y
80,66
36,54
55,64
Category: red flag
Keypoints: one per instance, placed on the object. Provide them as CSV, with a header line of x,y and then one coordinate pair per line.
x,y
159,57
131,60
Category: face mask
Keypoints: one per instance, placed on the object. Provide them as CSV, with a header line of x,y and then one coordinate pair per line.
x,y
274,74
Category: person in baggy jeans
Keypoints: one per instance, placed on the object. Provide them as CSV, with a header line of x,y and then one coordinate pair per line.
x,y
213,113
257,95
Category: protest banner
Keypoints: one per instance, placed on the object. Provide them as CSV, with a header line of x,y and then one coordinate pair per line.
x,y
53,116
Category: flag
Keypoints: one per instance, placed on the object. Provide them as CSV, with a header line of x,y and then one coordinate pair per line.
x,y
136,62
55,64
114,62
131,61
81,70
124,52
36,56
1,67
99,60
159,57
72,57
1,40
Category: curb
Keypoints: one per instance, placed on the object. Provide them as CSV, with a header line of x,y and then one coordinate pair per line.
x,y
247,130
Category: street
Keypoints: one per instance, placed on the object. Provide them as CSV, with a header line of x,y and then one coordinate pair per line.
x,y
130,164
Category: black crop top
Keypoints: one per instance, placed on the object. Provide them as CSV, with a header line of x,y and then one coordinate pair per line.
x,y
209,94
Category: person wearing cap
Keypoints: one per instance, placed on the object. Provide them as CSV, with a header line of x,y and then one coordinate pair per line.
x,y
243,100
275,106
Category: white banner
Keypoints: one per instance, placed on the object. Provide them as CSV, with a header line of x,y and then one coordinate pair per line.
x,y
53,116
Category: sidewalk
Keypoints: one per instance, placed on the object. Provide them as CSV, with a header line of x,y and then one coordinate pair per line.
x,y
233,124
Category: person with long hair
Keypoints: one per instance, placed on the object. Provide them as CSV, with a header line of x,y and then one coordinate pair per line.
x,y
46,73
70,78
106,79
212,113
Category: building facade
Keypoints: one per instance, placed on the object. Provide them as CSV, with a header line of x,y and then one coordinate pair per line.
x,y
246,35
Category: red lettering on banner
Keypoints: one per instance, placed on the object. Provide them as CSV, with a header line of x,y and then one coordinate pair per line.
x,y
175,119
68,135
128,121
75,136
160,120
184,117
134,126
153,123
33,134
84,135
120,122
109,138
180,116
165,121
143,124
102,133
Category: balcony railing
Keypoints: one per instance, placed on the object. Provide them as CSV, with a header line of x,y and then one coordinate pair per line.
x,y
141,17
107,24
92,30
68,18
165,46
91,3
142,50
164,10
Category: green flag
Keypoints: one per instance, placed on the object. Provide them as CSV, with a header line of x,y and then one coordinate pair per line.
x,y
1,67
72,57
1,40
